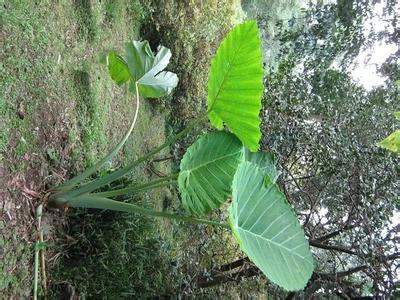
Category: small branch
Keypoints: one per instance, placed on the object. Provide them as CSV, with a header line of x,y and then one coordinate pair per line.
x,y
392,256
331,247
330,276
216,280
332,234
233,265
161,159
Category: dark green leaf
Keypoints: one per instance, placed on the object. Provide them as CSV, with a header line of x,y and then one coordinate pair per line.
x,y
207,170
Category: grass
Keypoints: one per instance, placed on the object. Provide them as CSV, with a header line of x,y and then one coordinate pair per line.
x,y
60,114
13,280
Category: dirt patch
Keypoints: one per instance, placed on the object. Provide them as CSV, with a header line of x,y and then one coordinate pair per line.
x,y
23,182
16,231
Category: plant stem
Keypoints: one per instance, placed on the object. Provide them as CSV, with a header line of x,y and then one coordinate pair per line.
x,y
91,201
38,214
79,178
140,187
36,272
43,264
125,170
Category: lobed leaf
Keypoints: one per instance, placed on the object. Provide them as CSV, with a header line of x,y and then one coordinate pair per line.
x,y
268,230
143,68
235,84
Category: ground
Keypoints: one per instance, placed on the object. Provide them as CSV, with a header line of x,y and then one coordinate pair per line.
x,y
61,113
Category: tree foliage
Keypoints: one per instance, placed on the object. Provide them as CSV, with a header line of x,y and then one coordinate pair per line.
x,y
324,128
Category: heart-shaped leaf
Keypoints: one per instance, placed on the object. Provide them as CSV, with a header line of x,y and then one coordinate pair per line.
x,y
268,230
235,84
207,170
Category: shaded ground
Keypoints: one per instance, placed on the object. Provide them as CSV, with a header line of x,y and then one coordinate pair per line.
x,y
61,112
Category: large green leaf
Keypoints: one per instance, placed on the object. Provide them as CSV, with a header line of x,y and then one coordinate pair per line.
x,y
268,230
207,170
235,84
141,67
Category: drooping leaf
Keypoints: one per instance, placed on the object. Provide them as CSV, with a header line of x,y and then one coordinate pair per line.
x,y
265,161
118,68
141,67
147,70
235,84
139,57
392,142
207,170
268,230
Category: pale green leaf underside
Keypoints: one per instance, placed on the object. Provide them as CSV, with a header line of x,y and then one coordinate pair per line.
x,y
392,142
235,84
268,230
207,170
147,69
143,68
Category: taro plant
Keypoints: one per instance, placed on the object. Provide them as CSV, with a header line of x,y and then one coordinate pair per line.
x,y
220,165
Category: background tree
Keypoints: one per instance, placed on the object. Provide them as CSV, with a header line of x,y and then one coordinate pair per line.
x,y
323,127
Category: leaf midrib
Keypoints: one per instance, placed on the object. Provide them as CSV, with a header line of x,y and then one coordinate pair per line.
x,y
272,242
225,76
212,161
